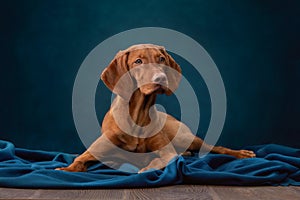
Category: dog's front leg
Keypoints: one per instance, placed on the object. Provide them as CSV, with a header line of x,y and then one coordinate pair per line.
x,y
97,150
79,164
165,150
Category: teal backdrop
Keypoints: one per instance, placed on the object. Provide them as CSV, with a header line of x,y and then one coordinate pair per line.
x,y
254,43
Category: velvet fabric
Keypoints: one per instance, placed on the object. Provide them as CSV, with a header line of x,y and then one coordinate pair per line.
x,y
274,165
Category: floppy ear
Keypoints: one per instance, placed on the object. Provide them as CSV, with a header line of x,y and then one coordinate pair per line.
x,y
173,73
113,72
111,76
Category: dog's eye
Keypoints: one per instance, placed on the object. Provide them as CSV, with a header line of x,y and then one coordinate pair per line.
x,y
138,61
162,59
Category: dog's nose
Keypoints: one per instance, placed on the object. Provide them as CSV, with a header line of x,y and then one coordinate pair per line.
x,y
159,78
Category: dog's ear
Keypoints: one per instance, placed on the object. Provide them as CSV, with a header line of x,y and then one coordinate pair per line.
x,y
173,73
111,76
114,71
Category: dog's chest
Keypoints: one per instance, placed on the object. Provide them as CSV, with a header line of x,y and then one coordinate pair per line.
x,y
136,145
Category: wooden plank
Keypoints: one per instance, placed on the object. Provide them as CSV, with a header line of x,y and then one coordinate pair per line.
x,y
297,189
171,192
250,193
81,194
166,193
6,193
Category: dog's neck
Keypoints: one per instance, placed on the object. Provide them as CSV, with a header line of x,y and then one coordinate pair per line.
x,y
138,116
139,107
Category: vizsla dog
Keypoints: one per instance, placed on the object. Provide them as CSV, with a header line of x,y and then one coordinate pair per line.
x,y
133,124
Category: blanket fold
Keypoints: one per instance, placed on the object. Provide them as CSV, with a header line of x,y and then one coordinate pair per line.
x,y
274,165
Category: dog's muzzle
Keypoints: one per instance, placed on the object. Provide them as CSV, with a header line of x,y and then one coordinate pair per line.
x,y
160,78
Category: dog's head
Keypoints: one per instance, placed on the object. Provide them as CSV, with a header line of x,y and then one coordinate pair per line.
x,y
146,67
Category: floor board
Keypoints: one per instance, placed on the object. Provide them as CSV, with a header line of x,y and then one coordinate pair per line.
x,y
170,192
250,193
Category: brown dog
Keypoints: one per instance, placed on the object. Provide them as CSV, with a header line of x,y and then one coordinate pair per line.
x,y
132,123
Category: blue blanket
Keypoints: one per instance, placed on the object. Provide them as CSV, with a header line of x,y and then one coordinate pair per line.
x,y
274,165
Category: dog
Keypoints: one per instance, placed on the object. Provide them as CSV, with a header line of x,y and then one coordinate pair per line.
x,y
133,124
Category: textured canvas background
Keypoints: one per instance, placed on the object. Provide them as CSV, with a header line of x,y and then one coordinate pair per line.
x,y
255,45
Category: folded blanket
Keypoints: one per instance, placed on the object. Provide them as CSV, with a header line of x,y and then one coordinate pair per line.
x,y
274,165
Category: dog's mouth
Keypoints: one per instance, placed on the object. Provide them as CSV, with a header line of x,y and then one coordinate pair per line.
x,y
153,89
159,89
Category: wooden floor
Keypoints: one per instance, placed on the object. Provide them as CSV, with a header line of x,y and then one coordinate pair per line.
x,y
171,192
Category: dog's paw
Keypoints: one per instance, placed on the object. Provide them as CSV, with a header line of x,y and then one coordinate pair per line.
x,y
74,167
244,154
146,169
186,153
